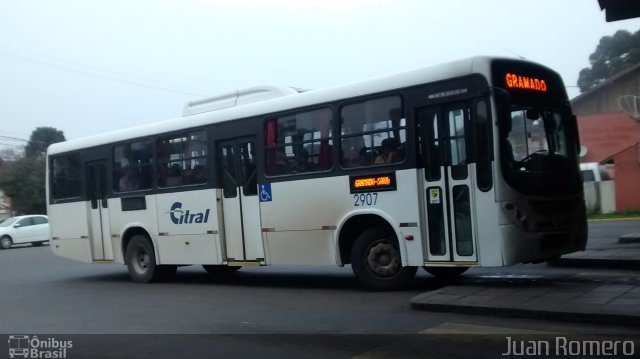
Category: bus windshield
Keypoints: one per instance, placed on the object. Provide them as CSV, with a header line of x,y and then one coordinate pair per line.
x,y
537,147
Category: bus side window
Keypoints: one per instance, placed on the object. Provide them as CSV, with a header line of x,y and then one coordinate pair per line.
x,y
299,143
182,159
484,147
132,166
373,132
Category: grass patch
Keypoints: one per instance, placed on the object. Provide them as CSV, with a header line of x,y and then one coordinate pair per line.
x,y
617,215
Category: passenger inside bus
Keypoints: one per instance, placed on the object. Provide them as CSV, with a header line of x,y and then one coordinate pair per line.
x,y
354,152
390,151
175,175
199,174
129,181
277,163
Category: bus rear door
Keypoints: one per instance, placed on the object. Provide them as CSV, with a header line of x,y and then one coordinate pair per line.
x,y
99,230
240,204
447,185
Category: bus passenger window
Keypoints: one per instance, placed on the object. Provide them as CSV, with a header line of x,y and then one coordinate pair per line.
x,y
66,176
373,132
182,159
484,147
132,168
299,143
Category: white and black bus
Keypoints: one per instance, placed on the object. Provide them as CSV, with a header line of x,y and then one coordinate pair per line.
x,y
470,163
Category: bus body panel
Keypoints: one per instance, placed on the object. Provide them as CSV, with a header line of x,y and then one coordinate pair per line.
x,y
187,227
309,247
70,236
487,229
297,230
300,206
188,249
121,221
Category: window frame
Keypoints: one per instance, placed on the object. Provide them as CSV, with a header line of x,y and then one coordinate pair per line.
x,y
406,129
79,178
150,165
159,162
269,158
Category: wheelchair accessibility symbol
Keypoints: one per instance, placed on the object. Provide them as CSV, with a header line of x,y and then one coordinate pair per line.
x,y
265,192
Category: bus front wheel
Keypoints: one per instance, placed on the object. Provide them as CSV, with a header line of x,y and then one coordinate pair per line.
x,y
376,261
141,261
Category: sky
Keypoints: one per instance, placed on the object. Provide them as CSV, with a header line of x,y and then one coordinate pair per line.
x,y
91,66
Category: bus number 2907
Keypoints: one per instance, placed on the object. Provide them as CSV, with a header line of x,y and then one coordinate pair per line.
x,y
365,199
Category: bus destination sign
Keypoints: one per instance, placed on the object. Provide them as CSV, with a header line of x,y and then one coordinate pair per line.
x,y
373,183
516,81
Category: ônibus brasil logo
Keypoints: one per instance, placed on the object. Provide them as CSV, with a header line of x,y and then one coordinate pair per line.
x,y
26,346
181,216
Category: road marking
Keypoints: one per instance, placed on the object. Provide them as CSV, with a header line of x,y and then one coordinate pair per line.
x,y
462,328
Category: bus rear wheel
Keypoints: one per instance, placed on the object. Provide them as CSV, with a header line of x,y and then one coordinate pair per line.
x,y
376,261
141,261
446,272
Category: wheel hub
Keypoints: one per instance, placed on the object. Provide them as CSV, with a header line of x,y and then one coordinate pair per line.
x,y
383,259
141,261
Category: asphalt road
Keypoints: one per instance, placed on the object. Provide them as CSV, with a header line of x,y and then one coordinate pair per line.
x,y
602,233
44,294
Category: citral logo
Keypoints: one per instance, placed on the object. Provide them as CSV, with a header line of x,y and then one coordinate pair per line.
x,y
180,216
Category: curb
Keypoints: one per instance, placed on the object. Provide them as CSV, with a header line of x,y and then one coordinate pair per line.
x,y
583,317
630,264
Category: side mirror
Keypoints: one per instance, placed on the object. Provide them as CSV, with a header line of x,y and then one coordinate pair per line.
x,y
17,225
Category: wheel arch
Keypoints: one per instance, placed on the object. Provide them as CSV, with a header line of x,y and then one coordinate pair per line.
x,y
129,233
355,224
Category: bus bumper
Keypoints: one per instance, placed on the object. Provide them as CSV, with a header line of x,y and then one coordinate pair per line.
x,y
519,246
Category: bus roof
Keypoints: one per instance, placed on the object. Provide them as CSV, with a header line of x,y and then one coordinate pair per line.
x,y
479,64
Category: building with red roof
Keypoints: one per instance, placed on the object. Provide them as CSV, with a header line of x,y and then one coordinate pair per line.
x,y
609,126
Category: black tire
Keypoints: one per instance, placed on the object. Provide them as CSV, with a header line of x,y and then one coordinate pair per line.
x,y
447,273
215,269
6,242
141,261
376,261
36,244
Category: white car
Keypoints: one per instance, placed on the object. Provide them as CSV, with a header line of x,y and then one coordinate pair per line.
x,y
32,229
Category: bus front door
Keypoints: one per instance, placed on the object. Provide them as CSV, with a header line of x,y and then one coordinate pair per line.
x,y
240,204
98,211
447,184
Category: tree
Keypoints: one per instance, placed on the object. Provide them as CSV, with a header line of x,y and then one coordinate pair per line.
x,y
23,181
40,139
612,55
